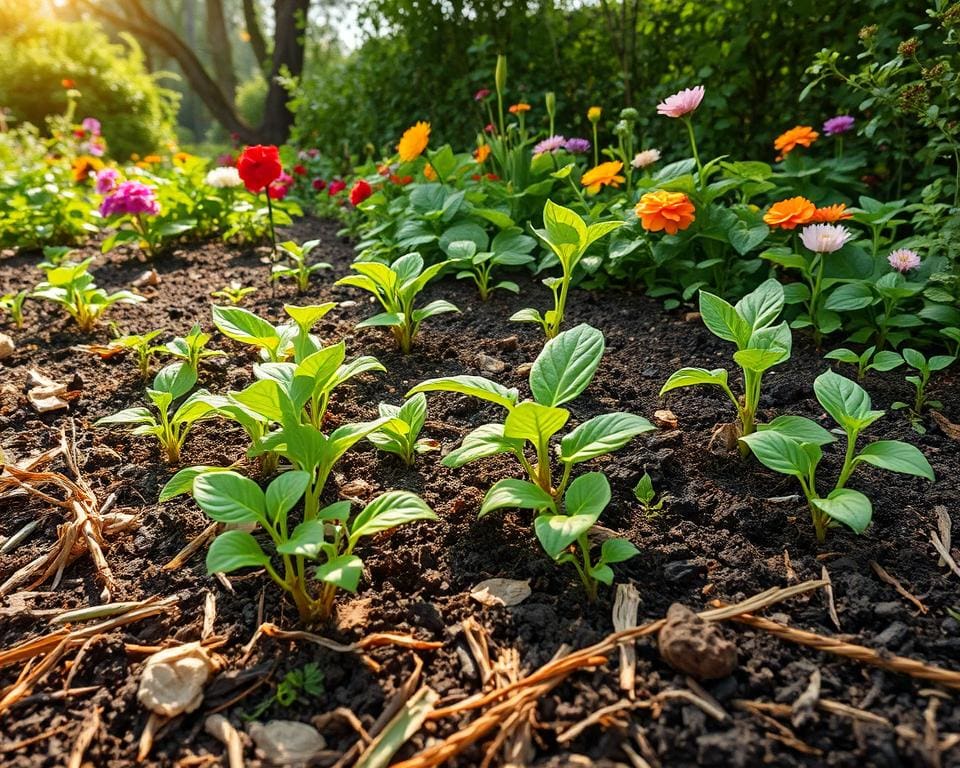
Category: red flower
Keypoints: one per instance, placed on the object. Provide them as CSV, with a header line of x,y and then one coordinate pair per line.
x,y
319,185
383,170
259,166
336,187
300,170
401,181
79,133
68,83
360,192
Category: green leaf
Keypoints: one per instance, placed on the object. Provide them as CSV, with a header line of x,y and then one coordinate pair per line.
x,y
182,481
850,297
602,434
779,453
534,422
617,551
438,307
847,506
244,326
527,315
307,539
722,320
475,386
759,360
516,494
691,377
566,365
284,492
885,361
896,456
588,495
762,306
566,234
799,428
344,571
845,400
175,379
844,355
486,440
228,497
138,415
235,549
388,511
382,320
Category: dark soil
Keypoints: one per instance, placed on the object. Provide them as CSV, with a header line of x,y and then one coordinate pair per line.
x,y
722,534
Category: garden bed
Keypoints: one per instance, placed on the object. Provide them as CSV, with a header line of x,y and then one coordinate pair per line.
x,y
725,533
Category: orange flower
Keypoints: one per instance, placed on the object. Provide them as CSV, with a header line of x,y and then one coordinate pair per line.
x,y
832,213
516,109
668,211
152,159
83,166
605,174
481,153
790,213
429,172
414,141
800,136
68,83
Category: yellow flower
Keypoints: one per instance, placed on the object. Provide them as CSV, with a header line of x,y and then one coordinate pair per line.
x,y
605,174
83,166
481,153
182,158
516,109
429,172
414,141
593,114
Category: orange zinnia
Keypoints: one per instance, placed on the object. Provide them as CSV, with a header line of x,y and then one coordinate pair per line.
x,y
790,213
481,153
429,173
414,141
516,109
832,213
668,211
605,174
800,136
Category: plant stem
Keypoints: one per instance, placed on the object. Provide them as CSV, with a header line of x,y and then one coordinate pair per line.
x,y
693,146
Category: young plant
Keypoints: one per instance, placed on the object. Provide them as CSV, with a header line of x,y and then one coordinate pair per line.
x,y
568,237
399,435
925,367
71,286
792,445
143,348
298,268
233,293
868,360
276,343
298,686
761,345
563,370
12,304
564,533
396,288
508,249
192,348
170,429
323,542
645,494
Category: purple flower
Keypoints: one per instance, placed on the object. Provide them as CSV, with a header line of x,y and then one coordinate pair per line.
x,y
550,145
91,125
577,146
130,198
106,181
838,124
903,259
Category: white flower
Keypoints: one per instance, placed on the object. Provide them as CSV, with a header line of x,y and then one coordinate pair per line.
x,y
645,158
225,176
903,259
825,238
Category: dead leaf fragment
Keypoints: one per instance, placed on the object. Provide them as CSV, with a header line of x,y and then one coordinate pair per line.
x,y
356,490
173,679
948,428
150,277
507,592
7,346
490,364
287,742
44,393
665,419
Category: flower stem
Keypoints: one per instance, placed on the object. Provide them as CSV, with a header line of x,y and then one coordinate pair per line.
x,y
693,146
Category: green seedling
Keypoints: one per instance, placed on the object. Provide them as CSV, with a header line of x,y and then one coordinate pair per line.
x,y
793,445
868,360
143,348
568,236
298,268
645,494
234,293
400,434
396,287
761,345
12,304
509,248
192,348
925,368
275,342
72,287
320,548
298,686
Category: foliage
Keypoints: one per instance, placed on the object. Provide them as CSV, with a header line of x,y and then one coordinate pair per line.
x,y
401,435
925,367
510,248
192,348
298,268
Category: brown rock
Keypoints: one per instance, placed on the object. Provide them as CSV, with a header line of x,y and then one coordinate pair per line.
x,y
508,344
696,647
490,364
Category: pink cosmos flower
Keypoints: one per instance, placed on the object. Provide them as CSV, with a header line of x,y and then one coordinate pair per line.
x,y
91,125
130,198
825,238
838,124
481,94
682,103
646,158
903,259
551,145
106,181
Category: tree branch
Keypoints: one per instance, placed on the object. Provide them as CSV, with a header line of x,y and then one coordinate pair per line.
x,y
258,43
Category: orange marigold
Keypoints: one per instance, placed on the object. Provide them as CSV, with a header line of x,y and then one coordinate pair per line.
x,y
414,141
516,109
668,211
481,153
832,213
605,174
800,136
790,213
429,173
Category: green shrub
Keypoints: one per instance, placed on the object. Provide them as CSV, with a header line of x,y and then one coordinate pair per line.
x,y
112,79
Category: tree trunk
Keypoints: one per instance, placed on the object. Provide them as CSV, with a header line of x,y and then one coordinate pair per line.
x,y
257,41
289,47
219,41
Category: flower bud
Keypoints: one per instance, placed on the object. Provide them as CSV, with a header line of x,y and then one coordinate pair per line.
x,y
551,100
500,75
629,114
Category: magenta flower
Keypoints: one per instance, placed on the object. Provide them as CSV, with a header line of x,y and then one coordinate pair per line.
x,y
130,198
550,145
682,103
825,238
91,125
95,147
106,181
903,259
837,125
481,94
577,146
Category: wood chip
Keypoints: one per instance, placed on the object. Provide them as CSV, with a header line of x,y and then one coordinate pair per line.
x,y
665,419
209,615
44,393
944,553
948,428
944,524
506,592
625,610
888,579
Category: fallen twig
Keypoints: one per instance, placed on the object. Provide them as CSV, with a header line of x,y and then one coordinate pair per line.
x,y
625,609
888,579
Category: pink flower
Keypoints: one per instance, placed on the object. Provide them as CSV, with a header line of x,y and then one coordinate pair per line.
x,y
106,181
682,103
481,94
278,188
95,147
91,125
837,125
903,259
130,198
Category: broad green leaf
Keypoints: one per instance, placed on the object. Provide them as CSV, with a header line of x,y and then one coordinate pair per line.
x,y
138,415
799,428
588,495
475,386
722,320
600,435
779,453
265,398
847,506
307,539
886,361
228,497
565,233
182,481
527,316
438,307
566,365
175,379
896,456
486,440
307,317
382,320
759,360
691,377
534,422
232,550
844,355
388,511
845,400
344,571
284,492
557,532
762,306
244,326
617,551
516,494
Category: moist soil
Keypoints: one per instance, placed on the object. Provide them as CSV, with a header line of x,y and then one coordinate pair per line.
x,y
729,529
